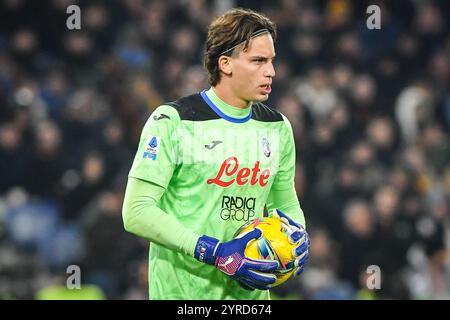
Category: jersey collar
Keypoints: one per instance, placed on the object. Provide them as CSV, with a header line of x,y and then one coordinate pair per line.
x,y
224,110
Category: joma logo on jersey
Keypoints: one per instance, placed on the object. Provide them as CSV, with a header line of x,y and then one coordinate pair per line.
x,y
237,208
230,172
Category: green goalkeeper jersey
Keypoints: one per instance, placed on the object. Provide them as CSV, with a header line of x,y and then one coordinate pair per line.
x,y
218,165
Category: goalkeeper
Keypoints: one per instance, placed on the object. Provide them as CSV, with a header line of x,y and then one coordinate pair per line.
x,y
209,162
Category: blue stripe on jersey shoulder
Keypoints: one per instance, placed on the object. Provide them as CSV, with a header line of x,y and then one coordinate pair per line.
x,y
221,114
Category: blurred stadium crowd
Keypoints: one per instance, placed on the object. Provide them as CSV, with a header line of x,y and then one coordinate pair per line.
x,y
370,111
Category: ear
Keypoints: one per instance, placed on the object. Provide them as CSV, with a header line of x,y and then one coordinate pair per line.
x,y
225,64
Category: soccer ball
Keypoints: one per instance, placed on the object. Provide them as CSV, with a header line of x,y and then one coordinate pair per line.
x,y
273,245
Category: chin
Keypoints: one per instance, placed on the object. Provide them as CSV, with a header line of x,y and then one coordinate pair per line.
x,y
261,97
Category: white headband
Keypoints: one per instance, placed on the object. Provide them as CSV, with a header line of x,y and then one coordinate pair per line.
x,y
254,34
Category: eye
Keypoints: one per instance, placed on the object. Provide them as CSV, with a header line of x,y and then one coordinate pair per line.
x,y
259,60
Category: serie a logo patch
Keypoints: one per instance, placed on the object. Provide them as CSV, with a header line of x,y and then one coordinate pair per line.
x,y
151,148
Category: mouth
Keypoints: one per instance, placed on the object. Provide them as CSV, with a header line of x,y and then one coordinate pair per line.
x,y
266,88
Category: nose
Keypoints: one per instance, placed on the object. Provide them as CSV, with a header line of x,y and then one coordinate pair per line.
x,y
270,70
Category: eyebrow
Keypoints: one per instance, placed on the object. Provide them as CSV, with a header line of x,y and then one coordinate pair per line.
x,y
262,57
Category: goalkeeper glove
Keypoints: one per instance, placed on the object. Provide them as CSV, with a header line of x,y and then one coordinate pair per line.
x,y
229,258
300,237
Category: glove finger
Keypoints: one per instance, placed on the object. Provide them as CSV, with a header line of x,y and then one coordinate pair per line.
x,y
300,249
296,236
301,260
250,235
282,216
251,284
275,214
245,286
262,265
299,271
308,241
285,221
282,219
261,277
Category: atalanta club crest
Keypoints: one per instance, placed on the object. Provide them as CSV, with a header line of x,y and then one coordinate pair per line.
x,y
265,147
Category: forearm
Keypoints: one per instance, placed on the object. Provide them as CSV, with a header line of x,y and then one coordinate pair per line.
x,y
287,202
142,217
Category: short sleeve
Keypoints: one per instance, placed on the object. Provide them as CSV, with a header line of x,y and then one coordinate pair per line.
x,y
156,155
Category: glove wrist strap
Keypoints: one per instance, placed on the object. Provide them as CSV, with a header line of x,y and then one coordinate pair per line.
x,y
205,249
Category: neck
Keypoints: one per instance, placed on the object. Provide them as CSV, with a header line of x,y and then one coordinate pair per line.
x,y
226,94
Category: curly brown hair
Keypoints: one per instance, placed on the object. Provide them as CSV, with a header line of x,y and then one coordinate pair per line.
x,y
229,30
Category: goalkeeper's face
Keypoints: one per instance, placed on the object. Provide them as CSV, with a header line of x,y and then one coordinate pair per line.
x,y
252,69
